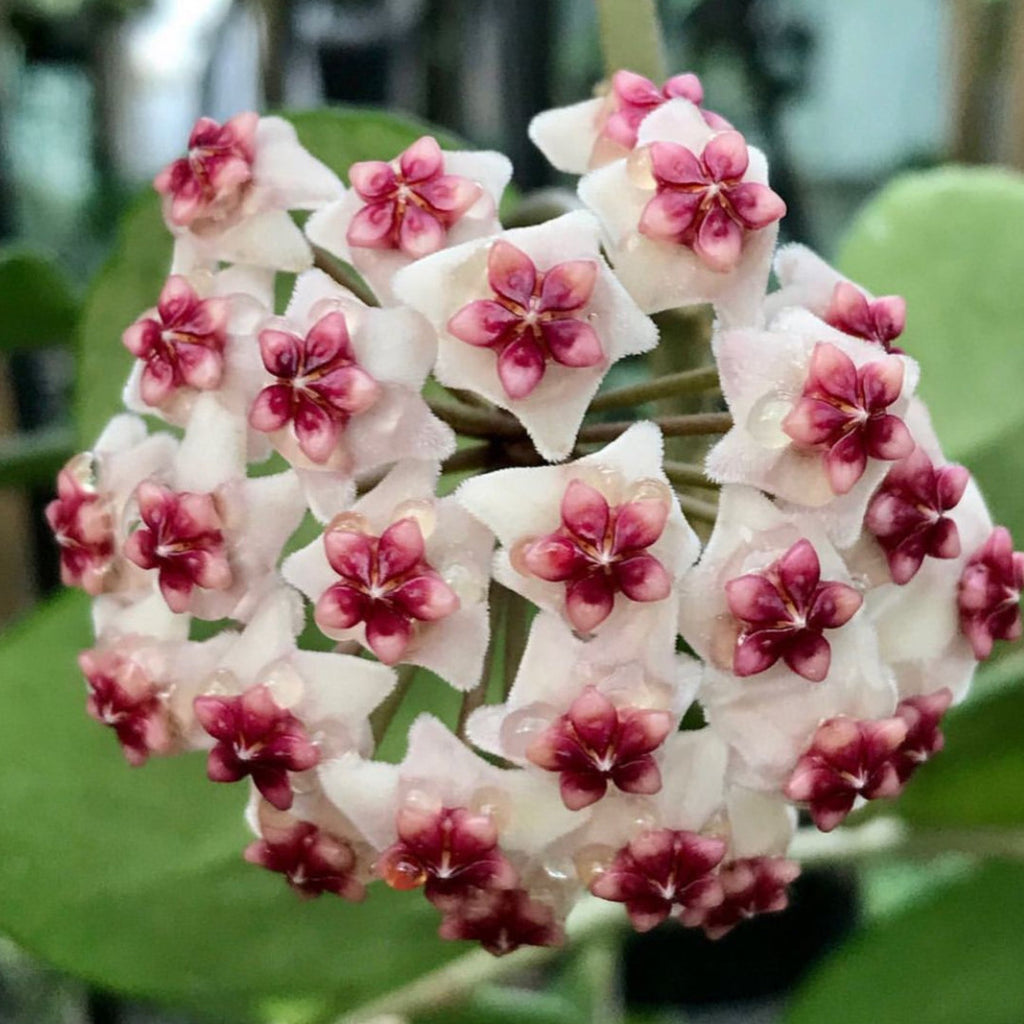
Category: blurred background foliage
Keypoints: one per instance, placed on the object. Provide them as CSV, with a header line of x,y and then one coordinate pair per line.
x,y
129,885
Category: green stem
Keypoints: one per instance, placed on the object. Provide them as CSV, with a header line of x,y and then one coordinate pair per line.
x,y
497,611
345,275
688,474
631,37
517,628
452,982
477,456
383,716
671,426
694,508
685,382
476,422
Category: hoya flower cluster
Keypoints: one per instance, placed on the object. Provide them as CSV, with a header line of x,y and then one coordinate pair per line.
x,y
674,704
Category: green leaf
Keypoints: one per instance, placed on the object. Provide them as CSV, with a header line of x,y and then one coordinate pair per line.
x,y
949,240
128,284
37,305
134,880
339,136
976,780
952,958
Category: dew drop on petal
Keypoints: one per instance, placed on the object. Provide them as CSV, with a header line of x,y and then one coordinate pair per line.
x,y
349,522
724,631
85,468
606,479
422,511
592,860
493,802
639,169
649,490
765,421
422,796
522,727
465,582
559,866
517,555
284,683
223,681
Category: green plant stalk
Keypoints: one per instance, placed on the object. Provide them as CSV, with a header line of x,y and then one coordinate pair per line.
x,y
705,511
688,474
344,275
381,719
703,380
473,421
498,603
671,426
631,37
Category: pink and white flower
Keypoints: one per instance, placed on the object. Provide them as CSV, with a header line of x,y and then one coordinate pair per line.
x,y
818,416
424,200
600,541
530,320
807,281
466,831
228,198
200,337
762,561
587,135
405,574
312,859
89,516
846,760
341,394
922,634
596,726
274,711
210,536
688,217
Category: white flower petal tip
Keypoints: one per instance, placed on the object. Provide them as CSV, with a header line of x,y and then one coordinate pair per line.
x,y
340,387
531,320
405,574
790,391
228,199
667,249
595,132
648,545
379,235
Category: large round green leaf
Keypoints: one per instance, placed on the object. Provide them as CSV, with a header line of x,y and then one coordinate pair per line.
x,y
134,878
952,958
952,242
